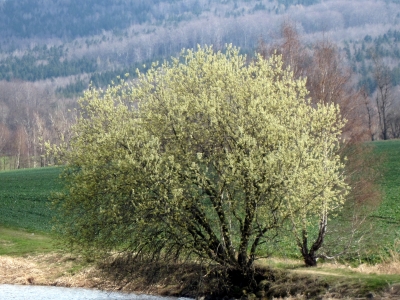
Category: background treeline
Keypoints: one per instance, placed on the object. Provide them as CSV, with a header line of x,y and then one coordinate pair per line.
x,y
102,79
75,18
362,54
38,65
71,19
30,115
50,51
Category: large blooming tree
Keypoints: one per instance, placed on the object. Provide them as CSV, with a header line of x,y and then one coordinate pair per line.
x,y
203,156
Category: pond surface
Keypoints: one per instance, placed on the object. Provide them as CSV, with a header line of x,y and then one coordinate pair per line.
x,y
32,292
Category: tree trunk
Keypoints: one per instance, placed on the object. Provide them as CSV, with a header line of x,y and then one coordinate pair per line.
x,y
309,256
310,260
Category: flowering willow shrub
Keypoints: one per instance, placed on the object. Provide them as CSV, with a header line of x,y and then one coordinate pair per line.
x,y
202,156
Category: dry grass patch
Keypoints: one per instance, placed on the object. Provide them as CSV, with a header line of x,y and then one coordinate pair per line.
x,y
58,269
46,269
15,270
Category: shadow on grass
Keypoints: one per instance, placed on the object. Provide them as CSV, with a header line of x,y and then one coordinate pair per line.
x,y
190,279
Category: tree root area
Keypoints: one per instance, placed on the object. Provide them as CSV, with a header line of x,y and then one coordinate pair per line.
x,y
195,280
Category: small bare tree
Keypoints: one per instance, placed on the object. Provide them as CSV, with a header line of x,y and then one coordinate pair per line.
x,y
383,97
394,120
4,138
371,114
296,56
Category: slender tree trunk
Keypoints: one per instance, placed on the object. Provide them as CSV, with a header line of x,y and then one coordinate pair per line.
x,y
310,255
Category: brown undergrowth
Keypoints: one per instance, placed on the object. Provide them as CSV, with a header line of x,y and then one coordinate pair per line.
x,y
122,273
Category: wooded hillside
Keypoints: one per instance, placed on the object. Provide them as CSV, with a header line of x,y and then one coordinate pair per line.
x,y
50,51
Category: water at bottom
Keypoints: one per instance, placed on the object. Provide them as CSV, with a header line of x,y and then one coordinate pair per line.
x,y
31,292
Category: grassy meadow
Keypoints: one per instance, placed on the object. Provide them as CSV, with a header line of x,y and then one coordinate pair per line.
x,y
19,242
24,198
25,214
384,237
387,217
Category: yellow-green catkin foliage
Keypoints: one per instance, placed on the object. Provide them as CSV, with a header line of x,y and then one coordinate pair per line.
x,y
208,147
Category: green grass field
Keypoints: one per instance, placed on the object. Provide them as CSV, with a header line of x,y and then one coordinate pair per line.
x,y
22,242
389,211
386,219
24,198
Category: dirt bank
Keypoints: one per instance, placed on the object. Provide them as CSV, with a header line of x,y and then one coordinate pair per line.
x,y
65,270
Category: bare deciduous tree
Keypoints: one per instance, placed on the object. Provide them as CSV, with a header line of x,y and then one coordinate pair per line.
x,y
371,114
383,97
